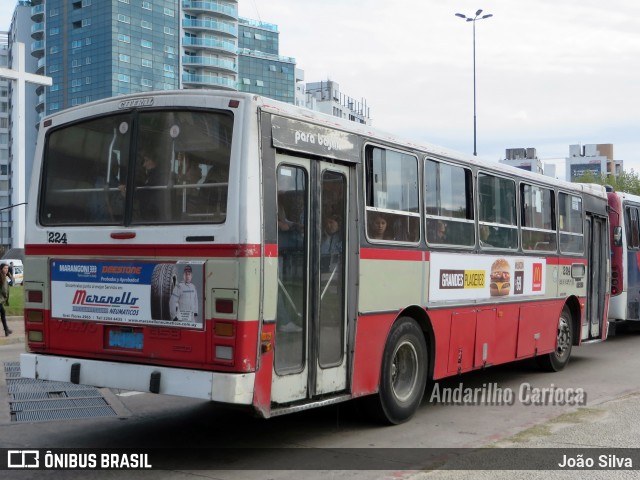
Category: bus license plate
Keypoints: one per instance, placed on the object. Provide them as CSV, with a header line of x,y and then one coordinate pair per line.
x,y
125,339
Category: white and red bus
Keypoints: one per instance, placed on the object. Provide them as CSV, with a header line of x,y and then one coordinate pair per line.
x,y
228,247
624,219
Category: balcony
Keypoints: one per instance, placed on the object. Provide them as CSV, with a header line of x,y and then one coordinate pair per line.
x,y
210,25
40,103
211,7
37,12
210,44
37,31
41,64
192,80
216,63
37,49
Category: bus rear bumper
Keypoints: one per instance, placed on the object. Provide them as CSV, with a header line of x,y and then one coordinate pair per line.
x,y
236,388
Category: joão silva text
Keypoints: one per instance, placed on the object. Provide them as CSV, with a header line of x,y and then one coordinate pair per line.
x,y
604,461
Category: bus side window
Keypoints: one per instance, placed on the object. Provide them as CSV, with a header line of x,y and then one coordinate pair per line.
x,y
497,211
449,204
635,228
392,195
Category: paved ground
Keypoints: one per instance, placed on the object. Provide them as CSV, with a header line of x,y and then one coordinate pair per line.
x,y
16,324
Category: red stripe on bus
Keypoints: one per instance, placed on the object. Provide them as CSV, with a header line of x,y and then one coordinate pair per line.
x,y
149,250
271,250
389,254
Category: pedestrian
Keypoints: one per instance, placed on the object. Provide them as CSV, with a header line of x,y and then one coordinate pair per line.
x,y
10,274
4,296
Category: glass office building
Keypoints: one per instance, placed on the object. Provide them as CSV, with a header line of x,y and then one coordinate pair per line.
x,y
261,69
94,49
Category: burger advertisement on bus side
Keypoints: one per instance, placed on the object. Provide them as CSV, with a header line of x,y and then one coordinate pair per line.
x,y
468,277
500,278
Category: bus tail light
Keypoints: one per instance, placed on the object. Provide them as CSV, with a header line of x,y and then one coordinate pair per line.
x,y
224,305
224,329
224,340
35,336
224,352
33,316
34,296
615,280
34,327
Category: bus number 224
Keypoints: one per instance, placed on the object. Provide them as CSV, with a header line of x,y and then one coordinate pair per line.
x,y
56,237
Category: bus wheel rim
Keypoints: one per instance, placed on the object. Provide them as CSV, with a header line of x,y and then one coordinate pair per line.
x,y
404,371
564,337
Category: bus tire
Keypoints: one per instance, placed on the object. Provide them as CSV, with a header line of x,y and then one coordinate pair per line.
x,y
558,359
403,374
163,281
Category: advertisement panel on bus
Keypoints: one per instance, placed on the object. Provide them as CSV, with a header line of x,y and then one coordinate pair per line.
x,y
128,292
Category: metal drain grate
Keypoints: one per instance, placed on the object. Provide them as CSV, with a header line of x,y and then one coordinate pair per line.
x,y
38,400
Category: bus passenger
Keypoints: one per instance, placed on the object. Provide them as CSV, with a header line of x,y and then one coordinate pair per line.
x,y
378,228
331,243
489,236
150,196
441,232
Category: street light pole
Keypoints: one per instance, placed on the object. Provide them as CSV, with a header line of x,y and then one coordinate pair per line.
x,y
473,21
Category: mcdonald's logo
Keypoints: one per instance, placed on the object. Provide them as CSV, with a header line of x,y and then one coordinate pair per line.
x,y
536,285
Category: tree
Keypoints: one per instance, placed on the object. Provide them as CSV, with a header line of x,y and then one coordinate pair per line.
x,y
628,182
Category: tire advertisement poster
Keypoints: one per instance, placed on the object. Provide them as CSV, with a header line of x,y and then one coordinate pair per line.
x,y
158,294
470,277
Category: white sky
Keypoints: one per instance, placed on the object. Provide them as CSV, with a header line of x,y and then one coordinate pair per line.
x,y
549,73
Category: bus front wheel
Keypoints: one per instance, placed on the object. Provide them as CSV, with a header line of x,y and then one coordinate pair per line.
x,y
403,374
558,359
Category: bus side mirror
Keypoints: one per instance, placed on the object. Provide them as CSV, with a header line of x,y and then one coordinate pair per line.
x,y
617,236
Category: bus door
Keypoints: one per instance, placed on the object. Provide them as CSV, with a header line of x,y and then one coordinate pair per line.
x,y
311,321
597,238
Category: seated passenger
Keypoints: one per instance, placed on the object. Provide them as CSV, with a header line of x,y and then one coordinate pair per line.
x,y
489,236
437,231
378,228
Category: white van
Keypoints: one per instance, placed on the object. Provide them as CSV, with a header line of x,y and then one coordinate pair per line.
x,y
18,269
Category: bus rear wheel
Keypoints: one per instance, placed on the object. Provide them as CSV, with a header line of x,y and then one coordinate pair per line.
x,y
403,375
558,359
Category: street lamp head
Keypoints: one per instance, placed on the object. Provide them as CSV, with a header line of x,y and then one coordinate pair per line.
x,y
478,12
461,15
488,15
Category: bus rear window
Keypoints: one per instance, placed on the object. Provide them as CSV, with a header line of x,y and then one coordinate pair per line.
x,y
155,167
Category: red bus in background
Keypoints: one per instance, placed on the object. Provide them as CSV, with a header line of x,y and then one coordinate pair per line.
x,y
232,248
624,219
